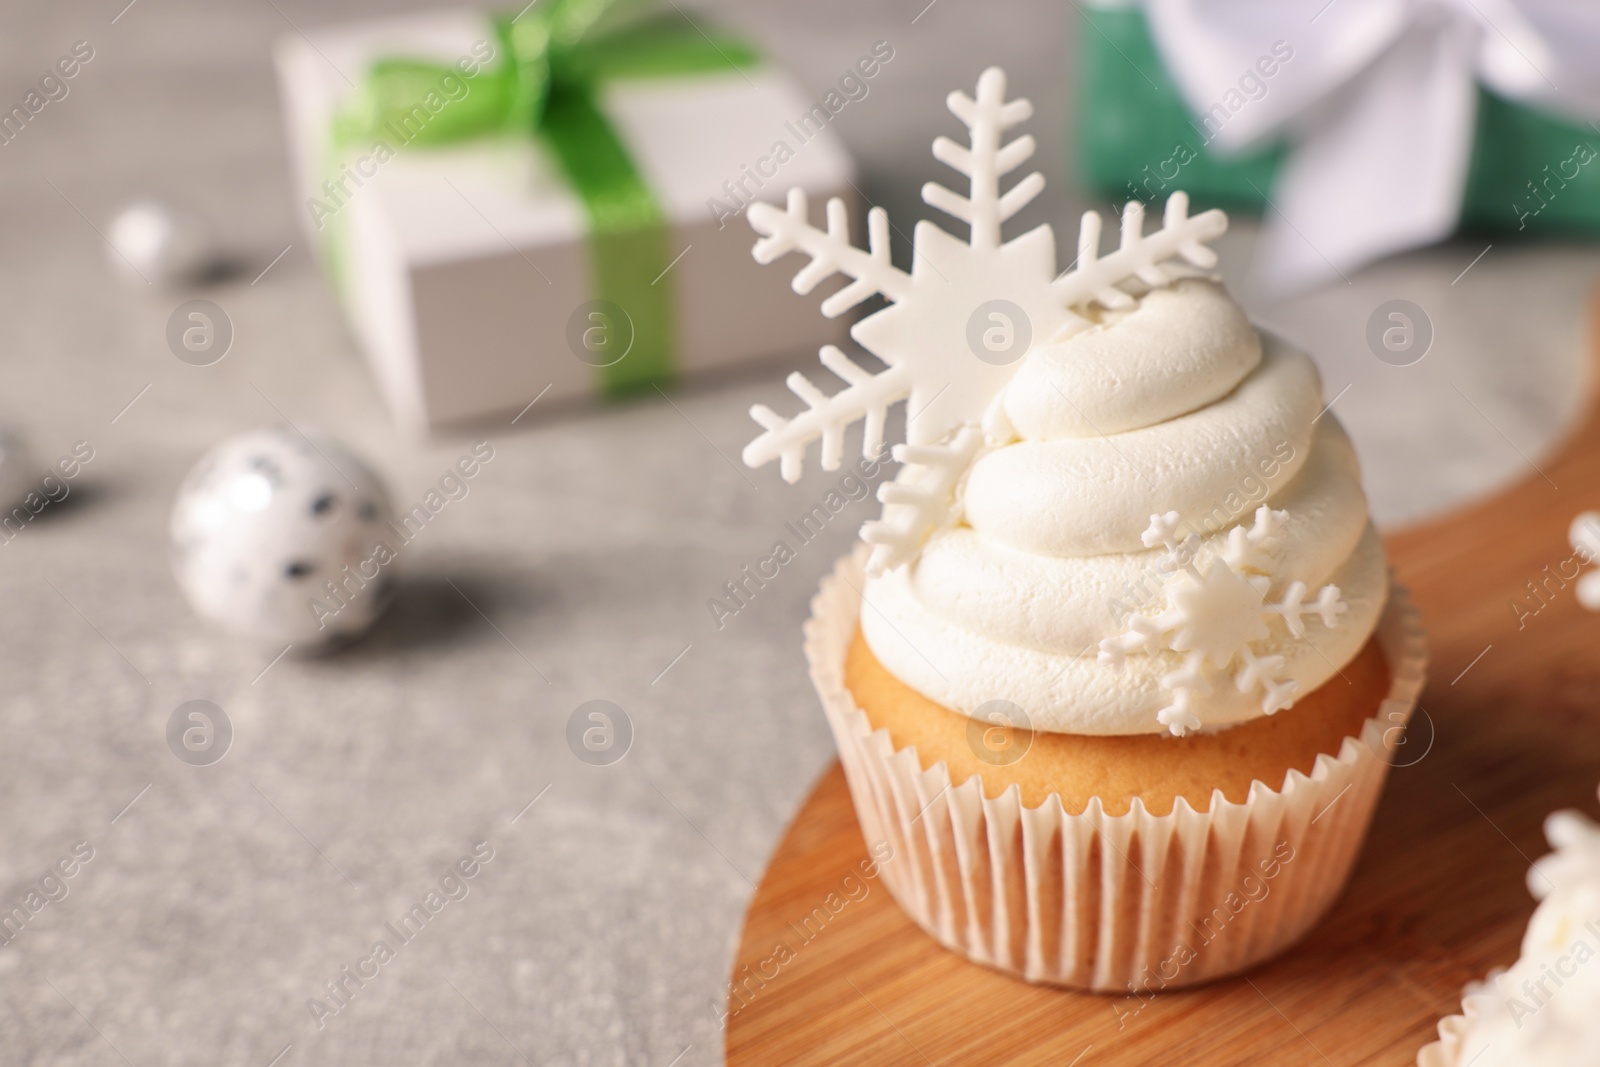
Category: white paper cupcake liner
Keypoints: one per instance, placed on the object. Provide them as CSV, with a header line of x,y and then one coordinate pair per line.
x,y
1100,902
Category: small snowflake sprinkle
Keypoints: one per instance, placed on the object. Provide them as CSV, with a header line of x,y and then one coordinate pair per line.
x,y
1214,608
1585,537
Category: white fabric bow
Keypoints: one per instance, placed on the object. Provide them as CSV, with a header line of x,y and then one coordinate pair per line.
x,y
1378,101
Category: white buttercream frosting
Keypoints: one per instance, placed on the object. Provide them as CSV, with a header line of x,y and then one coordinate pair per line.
x,y
1177,406
1545,1010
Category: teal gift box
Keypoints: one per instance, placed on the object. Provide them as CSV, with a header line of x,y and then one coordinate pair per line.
x,y
1136,134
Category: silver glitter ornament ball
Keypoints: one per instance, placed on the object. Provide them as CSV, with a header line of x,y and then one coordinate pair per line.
x,y
284,539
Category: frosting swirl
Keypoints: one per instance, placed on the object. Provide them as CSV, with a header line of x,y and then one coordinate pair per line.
x,y
1542,1011
1176,406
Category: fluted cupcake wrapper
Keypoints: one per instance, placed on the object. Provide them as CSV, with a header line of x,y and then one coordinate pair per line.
x,y
1101,902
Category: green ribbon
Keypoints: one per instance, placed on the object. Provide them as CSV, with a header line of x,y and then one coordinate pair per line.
x,y
551,64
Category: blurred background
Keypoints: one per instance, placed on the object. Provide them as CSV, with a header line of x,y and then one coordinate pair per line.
x,y
222,900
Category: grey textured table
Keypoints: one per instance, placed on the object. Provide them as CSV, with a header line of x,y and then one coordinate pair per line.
x,y
219,900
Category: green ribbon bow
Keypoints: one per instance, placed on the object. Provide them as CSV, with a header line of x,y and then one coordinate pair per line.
x,y
551,61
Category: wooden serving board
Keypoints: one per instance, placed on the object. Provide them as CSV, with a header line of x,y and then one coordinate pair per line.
x,y
1510,728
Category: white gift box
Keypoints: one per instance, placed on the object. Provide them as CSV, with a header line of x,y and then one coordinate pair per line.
x,y
463,268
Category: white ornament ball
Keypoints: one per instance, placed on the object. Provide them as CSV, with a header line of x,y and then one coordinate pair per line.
x,y
284,539
161,244
19,475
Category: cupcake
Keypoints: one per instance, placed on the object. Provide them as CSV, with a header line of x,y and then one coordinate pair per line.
x,y
1545,1010
1118,671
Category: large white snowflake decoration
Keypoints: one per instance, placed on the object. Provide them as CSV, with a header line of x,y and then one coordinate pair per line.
x,y
922,334
1214,608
